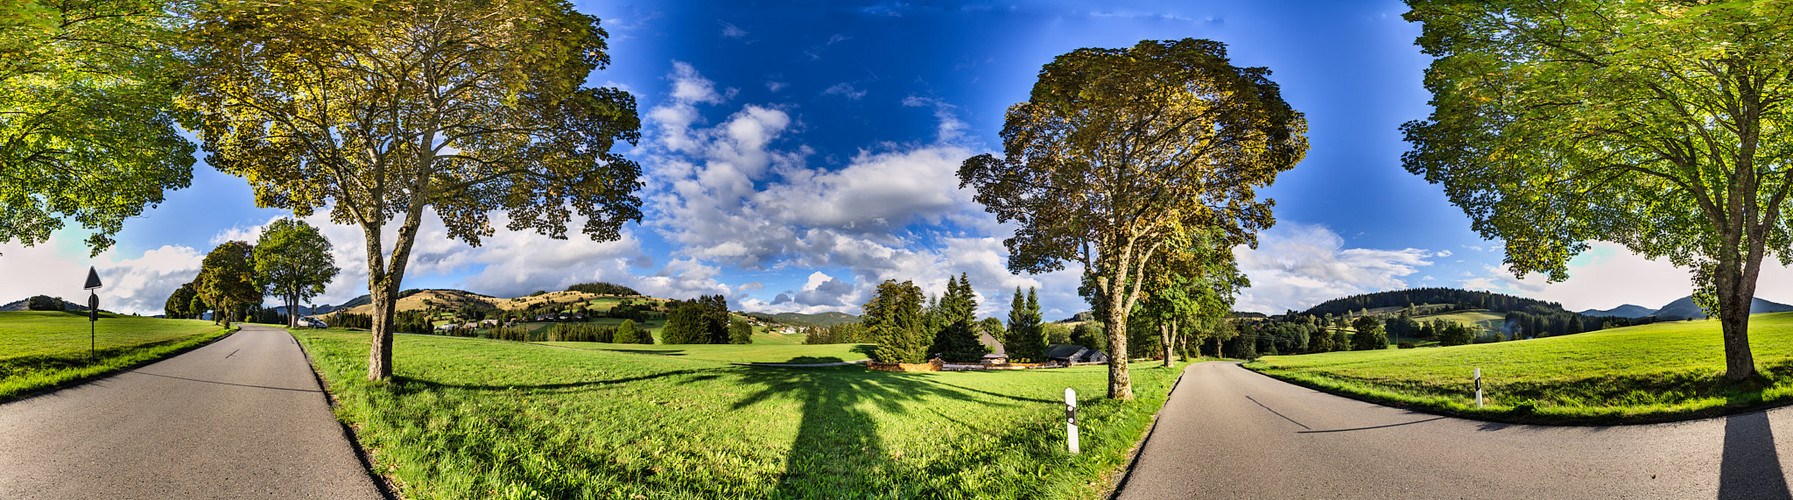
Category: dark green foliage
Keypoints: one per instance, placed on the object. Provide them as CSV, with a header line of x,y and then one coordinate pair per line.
x,y
1026,337
1319,341
413,322
843,333
628,333
956,340
1369,334
1452,333
1090,335
347,320
602,288
180,303
893,318
44,303
739,332
1341,341
1056,334
1240,347
1405,345
703,320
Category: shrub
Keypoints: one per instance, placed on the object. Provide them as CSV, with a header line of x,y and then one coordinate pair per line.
x,y
1405,345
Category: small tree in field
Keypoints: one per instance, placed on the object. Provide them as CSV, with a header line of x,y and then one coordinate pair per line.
x,y
739,332
1369,336
627,333
226,280
1118,151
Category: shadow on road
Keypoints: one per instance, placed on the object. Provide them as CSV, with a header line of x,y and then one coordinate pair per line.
x,y
1751,467
1421,421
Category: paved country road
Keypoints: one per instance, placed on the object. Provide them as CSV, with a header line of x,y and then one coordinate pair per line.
x,y
1228,432
242,417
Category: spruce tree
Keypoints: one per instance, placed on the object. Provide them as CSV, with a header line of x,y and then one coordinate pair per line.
x,y
1027,337
893,320
956,340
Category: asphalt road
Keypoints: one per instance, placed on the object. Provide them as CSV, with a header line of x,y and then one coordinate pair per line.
x,y
1227,432
242,417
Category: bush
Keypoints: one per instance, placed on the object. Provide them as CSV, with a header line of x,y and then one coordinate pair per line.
x,y
1405,345
627,333
44,303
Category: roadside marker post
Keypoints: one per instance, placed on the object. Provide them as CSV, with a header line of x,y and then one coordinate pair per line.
x,y
1071,419
1478,387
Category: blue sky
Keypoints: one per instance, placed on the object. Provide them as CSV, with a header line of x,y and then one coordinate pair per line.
x,y
796,154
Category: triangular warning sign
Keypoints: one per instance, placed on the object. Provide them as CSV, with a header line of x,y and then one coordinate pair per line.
x,y
93,278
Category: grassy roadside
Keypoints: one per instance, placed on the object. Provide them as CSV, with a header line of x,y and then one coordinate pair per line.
x,y
476,418
41,349
1650,373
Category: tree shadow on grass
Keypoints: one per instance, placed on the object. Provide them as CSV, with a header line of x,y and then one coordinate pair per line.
x,y
647,351
838,451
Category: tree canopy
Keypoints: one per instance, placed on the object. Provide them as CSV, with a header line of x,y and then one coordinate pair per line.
x,y
293,262
1660,126
380,109
1118,151
226,280
87,130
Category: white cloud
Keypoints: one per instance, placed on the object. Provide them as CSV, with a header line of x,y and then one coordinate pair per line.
x,y
846,90
1608,275
729,30
138,285
1299,265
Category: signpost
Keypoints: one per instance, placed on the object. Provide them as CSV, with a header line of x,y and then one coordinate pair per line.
x,y
1071,419
93,310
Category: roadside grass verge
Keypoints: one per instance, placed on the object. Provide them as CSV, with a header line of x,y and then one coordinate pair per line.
x,y
466,418
45,349
1650,373
732,353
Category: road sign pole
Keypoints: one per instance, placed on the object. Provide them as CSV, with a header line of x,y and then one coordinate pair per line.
x,y
1071,420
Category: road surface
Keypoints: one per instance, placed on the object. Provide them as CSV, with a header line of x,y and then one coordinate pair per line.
x,y
242,417
1227,432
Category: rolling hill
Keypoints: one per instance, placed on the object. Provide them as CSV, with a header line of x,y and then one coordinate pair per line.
x,y
819,319
1685,308
1624,311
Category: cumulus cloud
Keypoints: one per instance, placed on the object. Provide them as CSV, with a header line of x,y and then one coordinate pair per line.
x,y
737,194
1299,265
139,284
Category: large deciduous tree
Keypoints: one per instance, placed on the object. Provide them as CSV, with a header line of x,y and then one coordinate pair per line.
x,y
293,262
87,130
227,281
180,303
1118,151
380,109
1660,126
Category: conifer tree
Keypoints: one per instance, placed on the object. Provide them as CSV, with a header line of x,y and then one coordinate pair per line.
x,y
956,340
1027,337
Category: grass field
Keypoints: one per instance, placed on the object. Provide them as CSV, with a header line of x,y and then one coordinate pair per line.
x,y
751,353
40,349
1481,319
1643,373
469,418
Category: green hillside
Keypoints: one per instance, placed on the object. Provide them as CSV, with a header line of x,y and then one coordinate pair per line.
x,y
1640,373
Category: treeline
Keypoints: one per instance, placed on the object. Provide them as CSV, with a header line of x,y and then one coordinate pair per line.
x,y
1459,298
602,288
844,333
626,333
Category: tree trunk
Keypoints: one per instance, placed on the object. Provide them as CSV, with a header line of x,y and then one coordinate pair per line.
x,y
379,358
1120,385
1736,290
1165,341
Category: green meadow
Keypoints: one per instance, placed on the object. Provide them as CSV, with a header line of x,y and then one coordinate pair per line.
x,y
40,349
1644,373
474,418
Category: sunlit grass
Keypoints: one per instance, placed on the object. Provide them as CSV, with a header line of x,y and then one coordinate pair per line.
x,y
469,418
41,349
1650,372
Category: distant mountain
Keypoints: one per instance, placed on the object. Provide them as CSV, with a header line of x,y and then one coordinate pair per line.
x,y
1685,308
1624,311
821,319
1401,299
